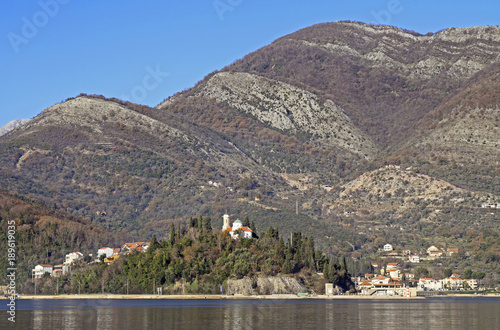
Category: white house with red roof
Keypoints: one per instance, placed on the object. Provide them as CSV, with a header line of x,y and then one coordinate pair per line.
x,y
392,265
472,283
434,251
429,284
107,251
72,257
454,282
60,270
41,269
139,246
414,258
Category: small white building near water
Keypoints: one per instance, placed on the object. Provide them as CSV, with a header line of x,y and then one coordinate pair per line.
x,y
429,284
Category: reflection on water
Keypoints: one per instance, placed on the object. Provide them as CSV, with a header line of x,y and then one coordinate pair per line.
x,y
432,313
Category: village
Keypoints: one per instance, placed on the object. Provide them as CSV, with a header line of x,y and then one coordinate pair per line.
x,y
105,254
390,279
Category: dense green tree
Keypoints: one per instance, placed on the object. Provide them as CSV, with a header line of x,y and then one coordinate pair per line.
x,y
171,235
207,224
199,223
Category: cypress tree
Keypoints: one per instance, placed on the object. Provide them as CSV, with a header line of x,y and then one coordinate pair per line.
x,y
246,222
171,235
207,224
200,223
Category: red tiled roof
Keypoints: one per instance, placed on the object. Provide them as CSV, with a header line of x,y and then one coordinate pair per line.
x,y
387,284
247,229
46,265
380,277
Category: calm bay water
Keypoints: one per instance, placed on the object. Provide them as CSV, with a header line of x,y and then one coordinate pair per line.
x,y
431,313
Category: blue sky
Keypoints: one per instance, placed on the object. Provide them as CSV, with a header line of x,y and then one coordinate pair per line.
x,y
146,51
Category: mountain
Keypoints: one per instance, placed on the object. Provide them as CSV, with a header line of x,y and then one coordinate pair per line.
x,y
11,125
332,130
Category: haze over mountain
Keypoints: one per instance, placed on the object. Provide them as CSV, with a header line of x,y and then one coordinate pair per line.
x,y
356,124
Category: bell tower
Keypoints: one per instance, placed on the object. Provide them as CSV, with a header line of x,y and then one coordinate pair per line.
x,y
225,225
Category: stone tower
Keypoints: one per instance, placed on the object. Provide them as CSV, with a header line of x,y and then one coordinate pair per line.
x,y
225,225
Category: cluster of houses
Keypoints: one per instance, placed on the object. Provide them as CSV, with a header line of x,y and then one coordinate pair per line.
x,y
396,282
432,252
393,281
109,256
57,270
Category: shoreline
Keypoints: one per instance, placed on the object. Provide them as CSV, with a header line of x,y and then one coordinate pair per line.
x,y
222,297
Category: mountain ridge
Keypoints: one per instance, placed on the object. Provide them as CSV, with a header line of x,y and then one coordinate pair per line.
x,y
283,134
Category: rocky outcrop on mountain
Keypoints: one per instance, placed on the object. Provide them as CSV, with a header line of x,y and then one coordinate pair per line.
x,y
12,125
396,189
288,108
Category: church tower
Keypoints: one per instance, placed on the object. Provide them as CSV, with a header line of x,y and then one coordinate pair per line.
x,y
225,225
